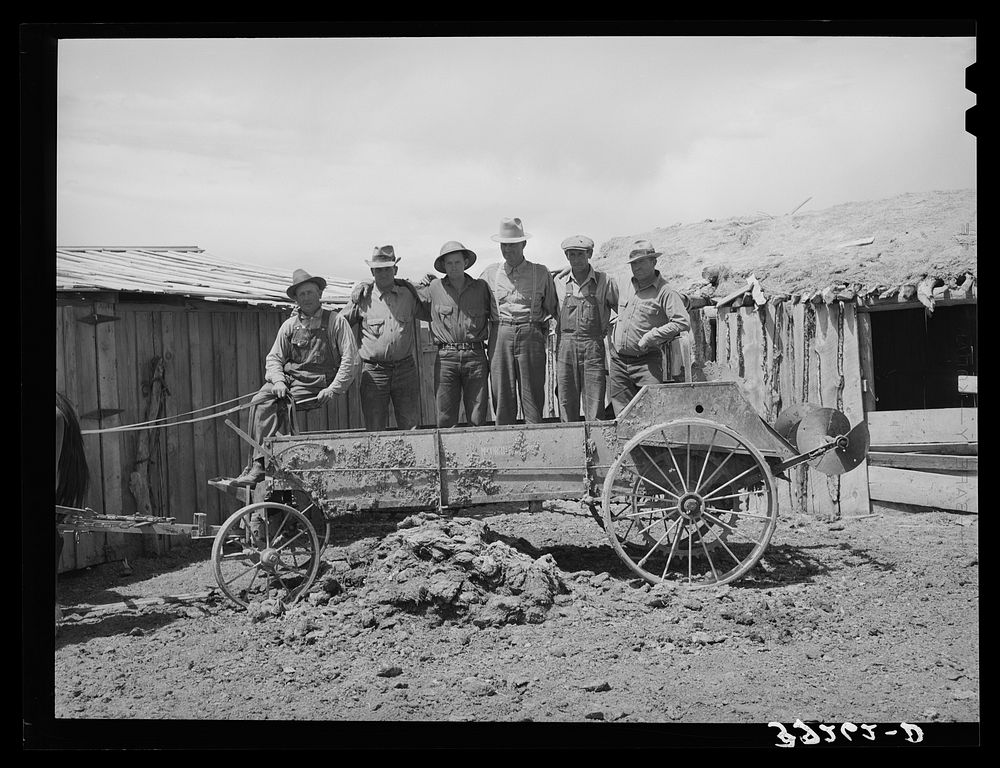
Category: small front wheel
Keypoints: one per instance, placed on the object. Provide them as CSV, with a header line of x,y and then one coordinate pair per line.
x,y
265,549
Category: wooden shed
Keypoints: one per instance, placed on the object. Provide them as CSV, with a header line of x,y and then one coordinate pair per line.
x,y
147,333
867,307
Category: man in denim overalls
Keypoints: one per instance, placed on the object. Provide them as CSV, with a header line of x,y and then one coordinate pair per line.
x,y
314,357
587,299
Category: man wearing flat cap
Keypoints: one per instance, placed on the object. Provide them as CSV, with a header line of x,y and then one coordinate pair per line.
x,y
650,314
526,301
313,358
587,299
461,310
385,311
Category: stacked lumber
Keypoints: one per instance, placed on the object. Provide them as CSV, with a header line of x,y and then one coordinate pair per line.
x,y
928,458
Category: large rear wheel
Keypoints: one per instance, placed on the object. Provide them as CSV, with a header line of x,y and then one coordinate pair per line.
x,y
690,500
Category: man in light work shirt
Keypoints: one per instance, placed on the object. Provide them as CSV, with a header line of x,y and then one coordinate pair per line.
x,y
650,314
314,357
526,300
587,298
385,311
461,309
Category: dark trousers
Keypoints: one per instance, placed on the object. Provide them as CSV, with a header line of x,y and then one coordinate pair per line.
x,y
270,416
517,369
581,371
396,382
461,375
629,375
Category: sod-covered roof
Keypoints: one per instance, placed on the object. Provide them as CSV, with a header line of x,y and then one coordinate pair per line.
x,y
862,250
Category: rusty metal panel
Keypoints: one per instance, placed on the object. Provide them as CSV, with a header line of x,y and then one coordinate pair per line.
x,y
364,470
514,463
720,401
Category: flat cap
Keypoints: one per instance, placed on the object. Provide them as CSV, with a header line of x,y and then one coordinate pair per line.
x,y
580,242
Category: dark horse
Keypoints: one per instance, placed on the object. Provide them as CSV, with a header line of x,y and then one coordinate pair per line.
x,y
72,473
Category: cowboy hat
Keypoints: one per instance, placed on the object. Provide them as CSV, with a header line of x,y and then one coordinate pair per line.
x,y
453,246
511,231
300,276
382,256
642,249
577,242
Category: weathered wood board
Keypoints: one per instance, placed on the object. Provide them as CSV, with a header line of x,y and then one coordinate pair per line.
x,y
959,492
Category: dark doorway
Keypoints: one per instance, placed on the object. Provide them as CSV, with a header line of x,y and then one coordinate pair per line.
x,y
917,358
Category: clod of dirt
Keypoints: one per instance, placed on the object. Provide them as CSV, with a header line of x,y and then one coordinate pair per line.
x,y
456,569
265,609
477,687
390,672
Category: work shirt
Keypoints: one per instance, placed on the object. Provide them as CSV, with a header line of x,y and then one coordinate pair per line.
x,y
459,316
525,293
295,353
585,307
648,316
386,320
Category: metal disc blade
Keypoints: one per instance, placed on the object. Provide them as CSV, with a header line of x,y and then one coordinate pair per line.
x,y
825,424
788,420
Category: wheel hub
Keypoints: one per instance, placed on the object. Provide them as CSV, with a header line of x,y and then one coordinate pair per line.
x,y
270,559
691,507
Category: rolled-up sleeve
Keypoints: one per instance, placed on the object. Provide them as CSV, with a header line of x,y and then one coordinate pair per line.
x,y
342,335
678,321
610,307
550,299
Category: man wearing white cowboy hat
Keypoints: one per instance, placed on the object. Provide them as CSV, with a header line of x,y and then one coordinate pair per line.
x,y
650,314
526,300
587,299
313,358
385,312
461,310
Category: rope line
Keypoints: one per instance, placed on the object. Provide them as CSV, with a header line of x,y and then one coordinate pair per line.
x,y
178,415
153,425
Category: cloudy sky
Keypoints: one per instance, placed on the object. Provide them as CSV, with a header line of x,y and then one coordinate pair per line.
x,y
308,152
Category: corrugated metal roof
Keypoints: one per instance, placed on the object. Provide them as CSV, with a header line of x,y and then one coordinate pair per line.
x,y
186,271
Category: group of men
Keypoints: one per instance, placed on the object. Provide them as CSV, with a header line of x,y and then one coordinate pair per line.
x,y
491,334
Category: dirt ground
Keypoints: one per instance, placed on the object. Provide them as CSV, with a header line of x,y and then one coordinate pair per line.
x,y
867,620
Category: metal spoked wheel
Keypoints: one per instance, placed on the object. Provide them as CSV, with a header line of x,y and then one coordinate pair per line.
x,y
691,501
266,549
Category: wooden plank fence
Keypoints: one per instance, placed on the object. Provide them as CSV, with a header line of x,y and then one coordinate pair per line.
x,y
784,354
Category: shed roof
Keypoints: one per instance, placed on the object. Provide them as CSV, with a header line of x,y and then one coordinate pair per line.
x,y
186,271
860,249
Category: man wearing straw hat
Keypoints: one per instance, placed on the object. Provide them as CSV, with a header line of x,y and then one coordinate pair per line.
x,y
587,298
313,358
526,300
650,314
461,309
385,310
